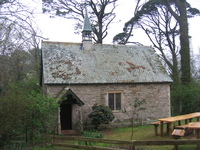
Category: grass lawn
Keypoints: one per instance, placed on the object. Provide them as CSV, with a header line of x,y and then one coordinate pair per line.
x,y
145,132
140,133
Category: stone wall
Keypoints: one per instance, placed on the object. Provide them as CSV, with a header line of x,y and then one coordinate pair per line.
x,y
157,97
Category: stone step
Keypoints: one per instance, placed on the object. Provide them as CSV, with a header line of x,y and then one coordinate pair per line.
x,y
70,132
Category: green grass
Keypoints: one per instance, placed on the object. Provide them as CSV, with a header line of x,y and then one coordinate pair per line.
x,y
141,133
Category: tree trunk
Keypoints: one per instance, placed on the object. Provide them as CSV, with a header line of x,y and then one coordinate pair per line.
x,y
175,71
184,39
184,42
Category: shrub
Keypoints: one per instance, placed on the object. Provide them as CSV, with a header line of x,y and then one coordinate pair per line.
x,y
101,115
23,105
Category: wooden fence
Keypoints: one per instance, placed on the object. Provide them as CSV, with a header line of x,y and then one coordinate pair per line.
x,y
57,141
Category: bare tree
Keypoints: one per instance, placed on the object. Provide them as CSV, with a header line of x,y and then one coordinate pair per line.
x,y
101,13
163,31
17,37
17,27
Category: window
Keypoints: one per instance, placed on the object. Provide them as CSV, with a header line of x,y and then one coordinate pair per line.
x,y
114,100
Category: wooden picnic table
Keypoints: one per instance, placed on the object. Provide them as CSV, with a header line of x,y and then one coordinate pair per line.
x,y
171,120
196,126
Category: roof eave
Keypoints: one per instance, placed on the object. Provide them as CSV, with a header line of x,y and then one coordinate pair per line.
x,y
163,82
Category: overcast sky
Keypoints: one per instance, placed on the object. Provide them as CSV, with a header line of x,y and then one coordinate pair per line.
x,y
59,29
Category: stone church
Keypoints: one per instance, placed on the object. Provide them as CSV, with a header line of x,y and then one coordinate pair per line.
x,y
80,75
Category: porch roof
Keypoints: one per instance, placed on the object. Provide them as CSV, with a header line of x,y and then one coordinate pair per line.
x,y
66,91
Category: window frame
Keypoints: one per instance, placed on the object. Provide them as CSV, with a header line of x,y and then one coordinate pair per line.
x,y
121,100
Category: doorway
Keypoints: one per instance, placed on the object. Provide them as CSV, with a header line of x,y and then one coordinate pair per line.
x,y
66,116
67,102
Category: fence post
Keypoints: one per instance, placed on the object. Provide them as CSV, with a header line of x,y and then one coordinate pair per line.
x,y
198,146
175,147
53,139
86,143
132,147
26,134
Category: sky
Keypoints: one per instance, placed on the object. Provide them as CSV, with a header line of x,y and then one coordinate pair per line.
x,y
62,30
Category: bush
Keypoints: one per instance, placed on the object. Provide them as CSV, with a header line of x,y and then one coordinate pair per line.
x,y
23,105
101,115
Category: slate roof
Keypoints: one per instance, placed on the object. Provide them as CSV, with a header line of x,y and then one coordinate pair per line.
x,y
65,63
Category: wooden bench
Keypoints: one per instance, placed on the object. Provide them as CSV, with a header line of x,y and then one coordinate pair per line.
x,y
185,126
156,124
177,133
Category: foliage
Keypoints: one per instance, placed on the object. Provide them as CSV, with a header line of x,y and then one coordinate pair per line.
x,y
20,95
17,36
23,105
40,114
136,107
137,104
101,114
185,99
12,115
123,38
120,38
16,146
92,134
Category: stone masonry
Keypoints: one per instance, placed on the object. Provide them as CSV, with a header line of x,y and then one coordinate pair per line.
x,y
155,95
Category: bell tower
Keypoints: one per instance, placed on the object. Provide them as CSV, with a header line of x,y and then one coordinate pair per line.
x,y
87,29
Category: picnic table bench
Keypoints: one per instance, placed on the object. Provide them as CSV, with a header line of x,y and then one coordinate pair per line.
x,y
156,124
196,126
177,133
185,126
171,120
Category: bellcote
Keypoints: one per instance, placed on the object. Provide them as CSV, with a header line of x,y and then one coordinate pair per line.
x,y
87,34
87,29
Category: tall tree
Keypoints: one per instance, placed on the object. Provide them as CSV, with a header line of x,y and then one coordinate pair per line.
x,y
17,36
101,13
162,30
180,16
182,19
